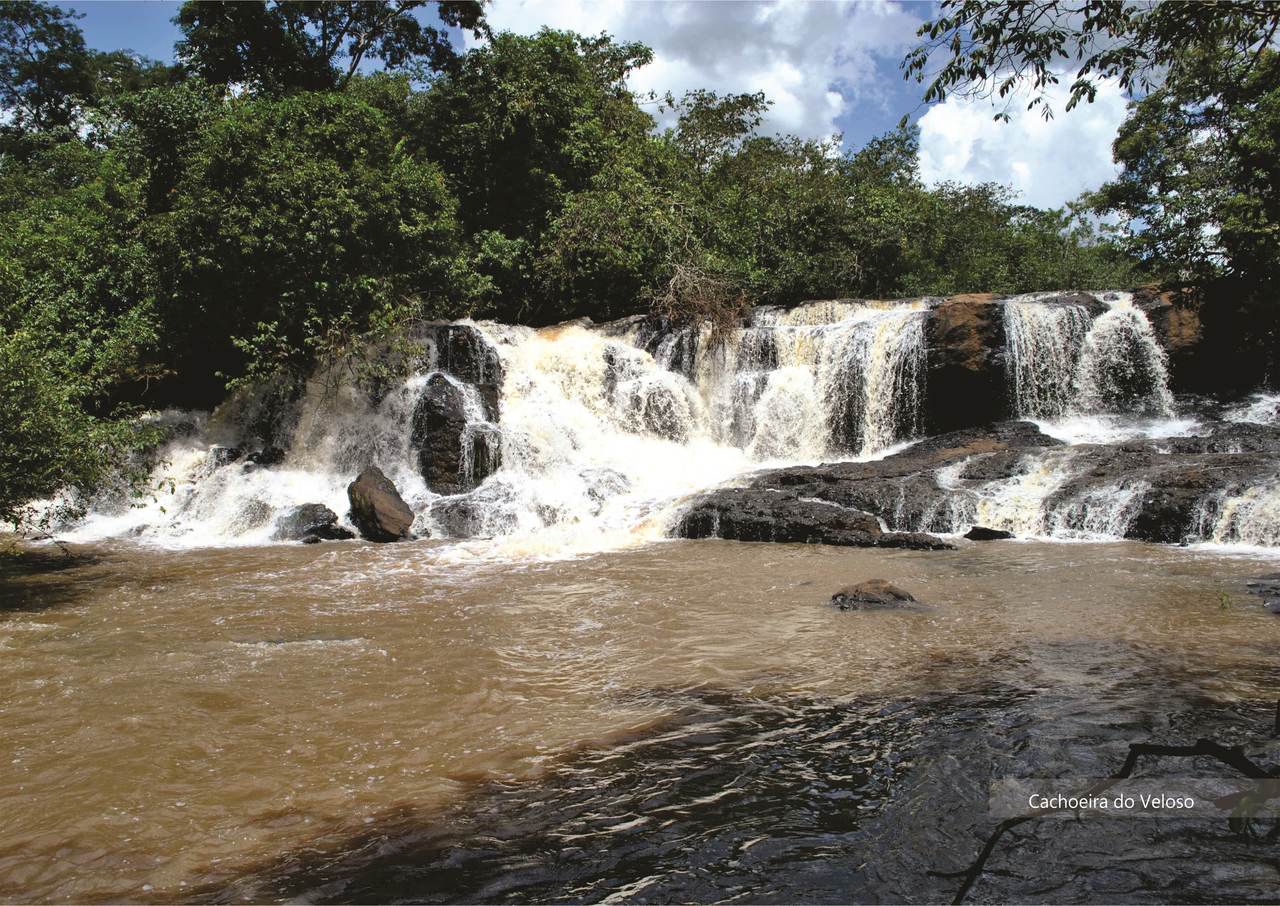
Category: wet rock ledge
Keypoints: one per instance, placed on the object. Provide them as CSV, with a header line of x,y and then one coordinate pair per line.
x,y
1172,488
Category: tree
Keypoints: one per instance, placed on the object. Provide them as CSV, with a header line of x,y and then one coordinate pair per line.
x,y
44,72
518,126
310,45
50,447
995,49
711,126
296,225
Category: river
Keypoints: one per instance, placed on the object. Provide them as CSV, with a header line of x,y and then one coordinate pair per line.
x,y
675,721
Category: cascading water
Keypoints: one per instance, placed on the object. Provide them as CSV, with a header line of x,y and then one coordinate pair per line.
x,y
1043,348
1063,362
1122,367
580,438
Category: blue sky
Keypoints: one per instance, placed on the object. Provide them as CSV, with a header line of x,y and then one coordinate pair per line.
x,y
830,67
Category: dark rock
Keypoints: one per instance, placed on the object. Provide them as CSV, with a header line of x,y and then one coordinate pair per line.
x,y
481,453
874,594
981,533
220,456
462,351
310,520
377,509
903,489
1088,301
439,423
268,456
311,539
964,336
747,514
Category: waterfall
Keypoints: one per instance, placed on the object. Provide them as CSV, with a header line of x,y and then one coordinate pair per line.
x,y
1122,366
1043,347
579,437
1062,362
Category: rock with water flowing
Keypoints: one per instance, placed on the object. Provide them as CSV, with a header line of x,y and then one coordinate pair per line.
x,y
310,520
456,449
745,514
965,340
377,509
462,351
439,421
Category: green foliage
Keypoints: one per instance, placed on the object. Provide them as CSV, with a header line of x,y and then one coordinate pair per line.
x,y
49,444
44,66
996,49
314,46
296,221
1201,158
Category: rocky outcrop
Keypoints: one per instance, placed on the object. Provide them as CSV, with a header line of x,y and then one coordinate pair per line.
x,y
309,523
1169,490
1176,495
462,351
747,514
874,594
439,422
455,452
377,509
964,336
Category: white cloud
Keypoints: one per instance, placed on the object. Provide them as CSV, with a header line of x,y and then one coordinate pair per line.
x,y
1048,162
814,60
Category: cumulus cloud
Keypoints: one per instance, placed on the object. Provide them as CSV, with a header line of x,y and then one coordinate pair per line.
x,y
815,61
1048,162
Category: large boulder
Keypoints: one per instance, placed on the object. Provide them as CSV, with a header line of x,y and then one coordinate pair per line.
x,y
310,521
747,514
439,423
377,509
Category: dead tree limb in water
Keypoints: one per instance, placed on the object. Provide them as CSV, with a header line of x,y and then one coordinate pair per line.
x,y
1232,756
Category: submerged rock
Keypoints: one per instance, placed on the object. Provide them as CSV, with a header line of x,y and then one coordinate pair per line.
x,y
377,509
874,594
982,533
308,523
1268,589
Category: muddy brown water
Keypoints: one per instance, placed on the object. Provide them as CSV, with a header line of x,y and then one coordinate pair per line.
x,y
687,721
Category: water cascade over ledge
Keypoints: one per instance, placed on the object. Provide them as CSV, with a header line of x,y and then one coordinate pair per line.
x,y
520,443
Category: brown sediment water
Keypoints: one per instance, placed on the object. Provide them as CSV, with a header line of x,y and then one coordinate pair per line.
x,y
678,721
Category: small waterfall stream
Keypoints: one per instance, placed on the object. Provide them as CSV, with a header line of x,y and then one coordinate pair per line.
x,y
1063,361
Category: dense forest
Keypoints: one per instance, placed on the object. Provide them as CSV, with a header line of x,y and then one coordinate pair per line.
x,y
310,179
